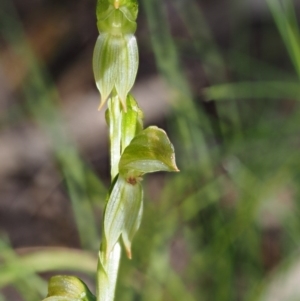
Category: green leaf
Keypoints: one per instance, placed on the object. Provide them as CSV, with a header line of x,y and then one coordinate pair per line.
x,y
260,89
132,224
132,121
123,213
115,63
103,65
68,288
126,67
149,151
59,298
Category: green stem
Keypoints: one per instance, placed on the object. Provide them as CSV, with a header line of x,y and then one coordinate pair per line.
x,y
108,264
115,122
107,272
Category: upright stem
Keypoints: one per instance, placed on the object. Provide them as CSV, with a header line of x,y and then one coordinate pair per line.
x,y
107,273
108,264
115,122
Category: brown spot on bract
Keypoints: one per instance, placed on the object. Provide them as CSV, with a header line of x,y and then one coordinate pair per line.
x,y
131,180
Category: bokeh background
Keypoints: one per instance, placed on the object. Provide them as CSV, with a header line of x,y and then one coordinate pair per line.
x,y
222,78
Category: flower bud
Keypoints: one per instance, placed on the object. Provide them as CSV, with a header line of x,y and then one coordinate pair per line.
x,y
68,288
115,64
115,59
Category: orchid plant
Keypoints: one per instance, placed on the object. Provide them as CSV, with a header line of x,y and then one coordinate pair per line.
x,y
134,151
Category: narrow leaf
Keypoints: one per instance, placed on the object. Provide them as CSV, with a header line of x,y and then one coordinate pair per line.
x,y
261,89
131,121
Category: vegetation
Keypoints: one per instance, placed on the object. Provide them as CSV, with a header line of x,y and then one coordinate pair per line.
x,y
226,227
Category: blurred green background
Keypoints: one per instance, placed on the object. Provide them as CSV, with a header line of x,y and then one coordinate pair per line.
x,y
222,77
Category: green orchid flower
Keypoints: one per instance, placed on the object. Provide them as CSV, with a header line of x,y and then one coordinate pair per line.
x,y
149,151
134,151
115,59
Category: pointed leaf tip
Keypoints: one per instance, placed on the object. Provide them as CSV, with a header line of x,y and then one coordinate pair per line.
x,y
102,102
128,253
123,103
